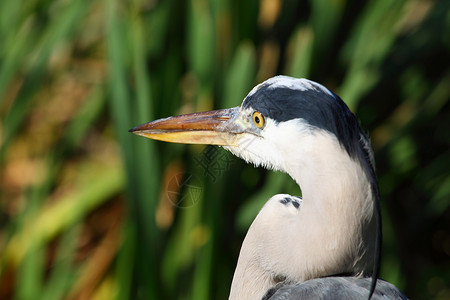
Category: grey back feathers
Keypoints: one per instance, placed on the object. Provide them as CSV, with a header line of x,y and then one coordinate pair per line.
x,y
348,288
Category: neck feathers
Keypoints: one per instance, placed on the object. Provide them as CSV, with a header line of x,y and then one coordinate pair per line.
x,y
330,233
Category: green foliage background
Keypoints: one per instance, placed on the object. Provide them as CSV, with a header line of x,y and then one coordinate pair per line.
x,y
90,211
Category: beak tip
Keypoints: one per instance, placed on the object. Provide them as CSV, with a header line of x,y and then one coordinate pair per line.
x,y
134,129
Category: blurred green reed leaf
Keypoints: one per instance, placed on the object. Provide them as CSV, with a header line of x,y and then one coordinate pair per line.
x,y
140,172
439,202
147,166
14,50
62,273
89,112
202,285
300,51
373,35
200,39
240,75
31,272
181,246
325,18
390,266
31,262
126,260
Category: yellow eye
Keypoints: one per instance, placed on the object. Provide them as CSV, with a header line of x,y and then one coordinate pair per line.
x,y
258,119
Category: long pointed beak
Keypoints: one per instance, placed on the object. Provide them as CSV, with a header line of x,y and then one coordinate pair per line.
x,y
216,127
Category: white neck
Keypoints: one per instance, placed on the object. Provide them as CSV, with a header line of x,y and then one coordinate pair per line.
x,y
330,233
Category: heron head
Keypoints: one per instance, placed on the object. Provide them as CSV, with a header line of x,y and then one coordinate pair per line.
x,y
280,114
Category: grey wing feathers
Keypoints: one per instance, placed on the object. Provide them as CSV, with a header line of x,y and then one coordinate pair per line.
x,y
335,288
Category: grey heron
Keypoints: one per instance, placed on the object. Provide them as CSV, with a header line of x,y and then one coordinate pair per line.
x,y
325,244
